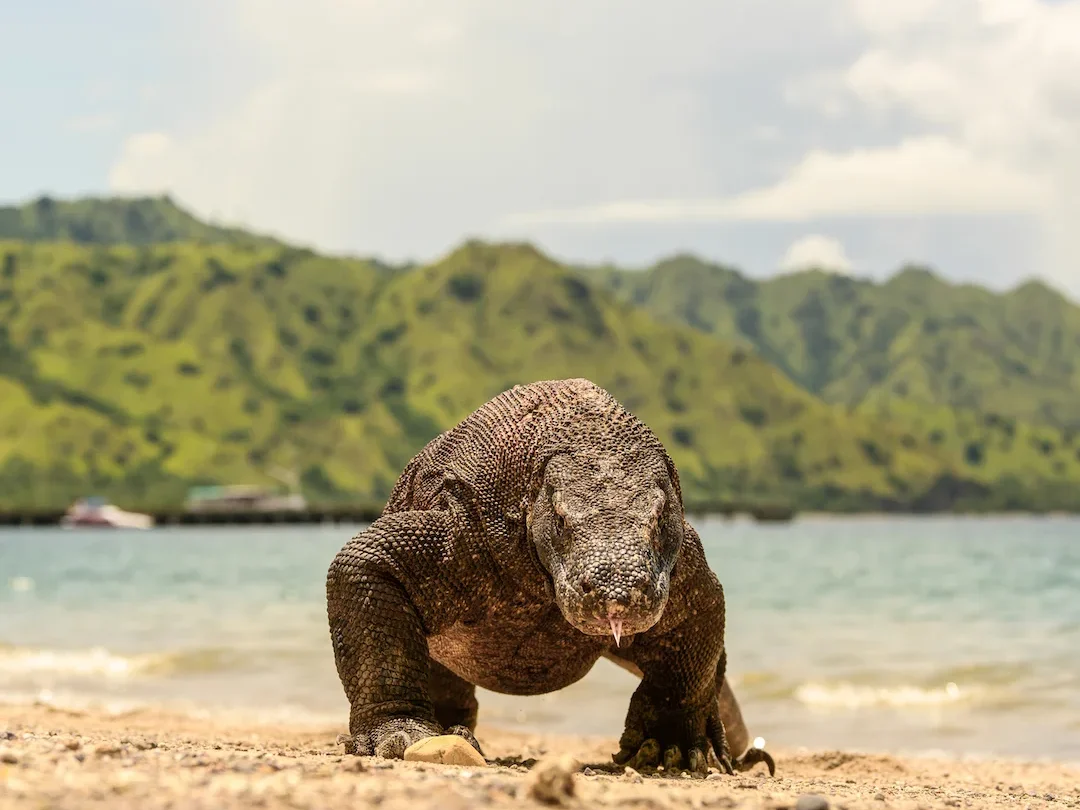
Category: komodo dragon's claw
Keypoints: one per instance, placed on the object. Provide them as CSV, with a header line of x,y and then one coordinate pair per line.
x,y
752,757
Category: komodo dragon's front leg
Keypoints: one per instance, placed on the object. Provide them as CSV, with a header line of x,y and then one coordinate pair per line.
x,y
386,590
738,736
681,711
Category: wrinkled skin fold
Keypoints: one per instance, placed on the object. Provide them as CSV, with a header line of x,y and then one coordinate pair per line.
x,y
543,532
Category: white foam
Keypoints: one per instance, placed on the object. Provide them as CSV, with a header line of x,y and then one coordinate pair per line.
x,y
288,715
853,696
95,662
21,584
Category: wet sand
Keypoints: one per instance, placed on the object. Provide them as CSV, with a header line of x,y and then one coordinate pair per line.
x,y
57,758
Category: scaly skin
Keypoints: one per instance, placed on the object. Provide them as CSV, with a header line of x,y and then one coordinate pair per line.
x,y
543,532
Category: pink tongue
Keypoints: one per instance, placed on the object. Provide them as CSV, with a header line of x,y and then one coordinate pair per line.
x,y
616,629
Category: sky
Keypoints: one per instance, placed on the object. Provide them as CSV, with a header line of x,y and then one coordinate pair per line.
x,y
859,135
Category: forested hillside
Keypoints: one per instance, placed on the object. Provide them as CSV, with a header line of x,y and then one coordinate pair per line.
x,y
116,220
137,370
915,339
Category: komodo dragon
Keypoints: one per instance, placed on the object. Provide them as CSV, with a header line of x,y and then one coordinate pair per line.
x,y
544,531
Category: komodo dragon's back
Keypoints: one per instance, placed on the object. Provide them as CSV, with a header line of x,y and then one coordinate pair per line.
x,y
498,447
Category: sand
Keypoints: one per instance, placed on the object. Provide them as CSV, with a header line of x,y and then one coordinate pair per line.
x,y
53,758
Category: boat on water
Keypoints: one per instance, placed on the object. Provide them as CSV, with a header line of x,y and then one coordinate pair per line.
x,y
97,512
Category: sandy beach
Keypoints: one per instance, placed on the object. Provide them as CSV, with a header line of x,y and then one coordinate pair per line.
x,y
52,757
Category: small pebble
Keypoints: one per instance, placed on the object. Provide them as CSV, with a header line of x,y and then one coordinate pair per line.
x,y
552,781
446,749
879,796
632,775
811,801
8,757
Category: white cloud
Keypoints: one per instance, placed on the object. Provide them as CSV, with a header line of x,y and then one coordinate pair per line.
x,y
929,175
984,98
401,128
394,128
243,170
816,251
437,32
148,164
397,81
97,122
1001,78
892,17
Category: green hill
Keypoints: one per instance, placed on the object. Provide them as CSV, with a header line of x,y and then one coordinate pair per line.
x,y
115,220
915,340
139,371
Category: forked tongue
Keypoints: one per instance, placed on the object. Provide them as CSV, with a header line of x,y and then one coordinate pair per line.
x,y
616,628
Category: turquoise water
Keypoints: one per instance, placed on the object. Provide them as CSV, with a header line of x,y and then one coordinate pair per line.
x,y
879,634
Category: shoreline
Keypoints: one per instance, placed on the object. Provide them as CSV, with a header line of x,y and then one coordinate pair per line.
x,y
364,515
51,756
10,522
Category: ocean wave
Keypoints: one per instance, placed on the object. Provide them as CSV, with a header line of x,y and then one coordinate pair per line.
x,y
987,686
845,695
278,714
996,673
98,662
21,584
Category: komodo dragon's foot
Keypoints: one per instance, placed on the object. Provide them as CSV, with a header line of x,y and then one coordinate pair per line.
x,y
389,738
752,757
689,737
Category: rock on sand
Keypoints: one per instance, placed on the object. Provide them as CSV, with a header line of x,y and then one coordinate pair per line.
x,y
447,749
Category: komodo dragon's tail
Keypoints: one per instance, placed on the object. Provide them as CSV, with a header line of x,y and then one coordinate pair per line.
x,y
745,755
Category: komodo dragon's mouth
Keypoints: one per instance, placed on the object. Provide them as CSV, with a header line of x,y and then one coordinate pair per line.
x,y
617,622
616,629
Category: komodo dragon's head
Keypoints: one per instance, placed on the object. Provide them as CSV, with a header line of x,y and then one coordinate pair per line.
x,y
608,529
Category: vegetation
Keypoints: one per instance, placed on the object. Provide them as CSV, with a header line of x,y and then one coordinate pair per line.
x,y
137,370
914,339
115,220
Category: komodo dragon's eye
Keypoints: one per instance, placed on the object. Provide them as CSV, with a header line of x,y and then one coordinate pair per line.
x,y
560,524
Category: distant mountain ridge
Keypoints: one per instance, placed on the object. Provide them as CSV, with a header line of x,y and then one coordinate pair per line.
x,y
914,338
115,221
137,370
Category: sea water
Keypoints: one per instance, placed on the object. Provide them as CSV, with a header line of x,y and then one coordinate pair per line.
x,y
940,634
